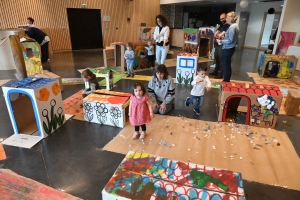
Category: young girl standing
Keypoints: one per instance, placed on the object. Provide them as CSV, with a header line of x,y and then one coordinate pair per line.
x,y
90,78
140,110
129,56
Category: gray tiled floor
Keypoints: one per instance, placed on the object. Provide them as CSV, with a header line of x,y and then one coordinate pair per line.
x,y
71,159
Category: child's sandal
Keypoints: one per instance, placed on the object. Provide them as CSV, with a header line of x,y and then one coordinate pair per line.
x,y
135,135
142,136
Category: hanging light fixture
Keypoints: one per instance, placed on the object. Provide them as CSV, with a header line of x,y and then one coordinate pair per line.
x,y
244,4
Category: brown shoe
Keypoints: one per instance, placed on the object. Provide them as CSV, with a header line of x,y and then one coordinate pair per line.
x,y
136,135
142,136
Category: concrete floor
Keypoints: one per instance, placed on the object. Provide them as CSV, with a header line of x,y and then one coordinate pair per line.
x,y
71,159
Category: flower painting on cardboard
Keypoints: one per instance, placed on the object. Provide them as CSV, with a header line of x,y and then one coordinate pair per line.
x,y
43,94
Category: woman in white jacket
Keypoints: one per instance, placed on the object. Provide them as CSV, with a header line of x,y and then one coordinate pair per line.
x,y
161,37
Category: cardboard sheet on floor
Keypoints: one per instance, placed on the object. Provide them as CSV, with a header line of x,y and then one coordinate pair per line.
x,y
14,186
253,75
2,82
2,153
187,141
139,77
237,81
22,140
290,84
73,104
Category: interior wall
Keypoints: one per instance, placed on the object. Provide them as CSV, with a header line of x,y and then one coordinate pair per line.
x,y
53,14
257,11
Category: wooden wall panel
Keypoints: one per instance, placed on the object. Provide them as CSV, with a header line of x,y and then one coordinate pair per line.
x,y
53,14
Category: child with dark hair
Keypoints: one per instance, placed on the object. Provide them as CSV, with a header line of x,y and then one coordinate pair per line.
x,y
129,56
200,82
140,110
92,83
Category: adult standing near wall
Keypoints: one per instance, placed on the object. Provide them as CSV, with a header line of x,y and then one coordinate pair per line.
x,y
219,34
229,43
161,37
161,90
42,38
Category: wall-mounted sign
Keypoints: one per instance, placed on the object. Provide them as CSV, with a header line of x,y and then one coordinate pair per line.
x,y
106,18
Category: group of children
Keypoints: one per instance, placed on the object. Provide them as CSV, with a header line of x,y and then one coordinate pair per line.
x,y
140,108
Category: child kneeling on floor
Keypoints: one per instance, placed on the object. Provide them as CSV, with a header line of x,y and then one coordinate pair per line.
x,y
92,83
140,110
200,82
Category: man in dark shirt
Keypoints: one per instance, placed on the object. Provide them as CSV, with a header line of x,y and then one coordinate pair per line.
x,y
42,39
219,34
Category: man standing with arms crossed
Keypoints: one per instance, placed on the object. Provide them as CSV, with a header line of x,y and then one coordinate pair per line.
x,y
219,34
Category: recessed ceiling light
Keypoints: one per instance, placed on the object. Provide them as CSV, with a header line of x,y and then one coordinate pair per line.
x,y
256,1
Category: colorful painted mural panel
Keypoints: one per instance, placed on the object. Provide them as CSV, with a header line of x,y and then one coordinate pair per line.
x,y
32,58
146,33
145,176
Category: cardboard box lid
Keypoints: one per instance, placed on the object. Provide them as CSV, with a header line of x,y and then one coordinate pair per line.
x,y
112,93
245,88
30,83
107,99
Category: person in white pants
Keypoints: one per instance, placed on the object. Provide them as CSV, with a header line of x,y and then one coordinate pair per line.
x,y
161,37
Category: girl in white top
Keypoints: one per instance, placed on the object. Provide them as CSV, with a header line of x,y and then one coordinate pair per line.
x,y
161,37
200,82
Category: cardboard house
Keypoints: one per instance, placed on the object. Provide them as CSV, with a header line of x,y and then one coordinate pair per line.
x,y
146,176
191,40
206,41
186,67
35,106
106,107
277,66
262,103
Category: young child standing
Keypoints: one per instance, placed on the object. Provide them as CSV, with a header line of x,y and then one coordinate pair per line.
x,y
200,82
150,50
129,56
140,110
92,83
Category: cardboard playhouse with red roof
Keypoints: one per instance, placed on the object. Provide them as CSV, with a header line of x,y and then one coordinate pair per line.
x,y
259,103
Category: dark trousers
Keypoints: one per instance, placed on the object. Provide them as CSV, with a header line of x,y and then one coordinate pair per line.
x,y
137,128
45,53
218,57
151,60
226,61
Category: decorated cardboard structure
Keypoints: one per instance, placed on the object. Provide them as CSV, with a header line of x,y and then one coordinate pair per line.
x,y
186,67
277,66
263,103
35,107
32,57
146,176
140,60
191,40
206,41
106,107
146,34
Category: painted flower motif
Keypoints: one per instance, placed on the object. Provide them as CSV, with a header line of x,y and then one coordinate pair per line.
x,y
43,94
53,102
100,109
59,110
185,36
55,89
115,112
87,108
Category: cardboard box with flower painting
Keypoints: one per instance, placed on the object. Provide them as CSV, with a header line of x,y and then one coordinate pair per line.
x,y
106,107
35,106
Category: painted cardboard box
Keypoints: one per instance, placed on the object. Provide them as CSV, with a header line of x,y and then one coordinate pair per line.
x,y
32,58
191,40
206,44
146,176
277,66
146,34
262,103
186,67
35,106
106,107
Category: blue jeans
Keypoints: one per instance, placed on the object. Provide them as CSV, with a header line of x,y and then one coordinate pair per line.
x,y
196,99
129,67
226,61
168,107
161,54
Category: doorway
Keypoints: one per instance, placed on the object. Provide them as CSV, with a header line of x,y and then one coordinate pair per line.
x,y
85,28
269,25
243,24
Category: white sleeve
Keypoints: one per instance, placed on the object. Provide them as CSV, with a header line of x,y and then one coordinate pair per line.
x,y
167,33
208,83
